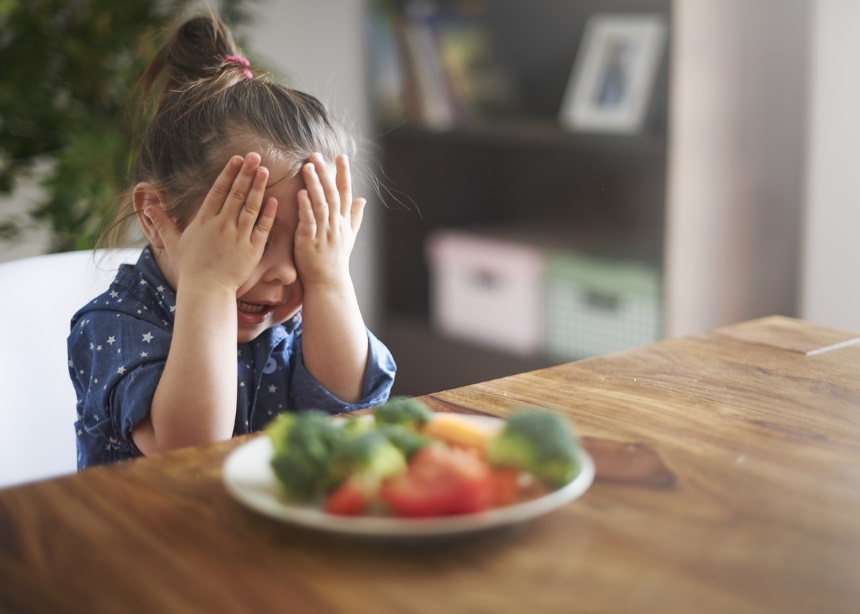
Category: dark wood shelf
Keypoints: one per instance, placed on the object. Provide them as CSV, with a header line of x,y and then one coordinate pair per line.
x,y
430,362
515,168
523,132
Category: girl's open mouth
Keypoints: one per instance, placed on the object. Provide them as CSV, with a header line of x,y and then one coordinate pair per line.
x,y
253,308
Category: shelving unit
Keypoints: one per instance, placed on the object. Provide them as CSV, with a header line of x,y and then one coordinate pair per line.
x,y
519,169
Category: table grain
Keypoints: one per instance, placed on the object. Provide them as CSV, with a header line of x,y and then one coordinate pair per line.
x,y
728,480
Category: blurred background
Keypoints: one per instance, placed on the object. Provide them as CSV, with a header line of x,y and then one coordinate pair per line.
x,y
517,218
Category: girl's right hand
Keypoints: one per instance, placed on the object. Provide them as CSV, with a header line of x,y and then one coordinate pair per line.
x,y
225,241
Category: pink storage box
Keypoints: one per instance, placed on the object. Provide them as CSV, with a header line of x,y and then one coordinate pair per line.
x,y
487,290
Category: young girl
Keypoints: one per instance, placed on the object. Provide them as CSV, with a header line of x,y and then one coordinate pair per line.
x,y
243,191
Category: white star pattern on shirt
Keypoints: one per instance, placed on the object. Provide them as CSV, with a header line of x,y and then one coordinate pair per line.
x,y
121,370
148,337
143,354
114,294
272,388
111,340
160,288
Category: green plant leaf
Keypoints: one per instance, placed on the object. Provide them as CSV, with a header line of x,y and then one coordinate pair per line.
x,y
66,94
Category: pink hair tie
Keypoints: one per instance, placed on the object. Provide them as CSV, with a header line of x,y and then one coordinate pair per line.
x,y
237,59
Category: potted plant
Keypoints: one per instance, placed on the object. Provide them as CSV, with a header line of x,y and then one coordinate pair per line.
x,y
67,104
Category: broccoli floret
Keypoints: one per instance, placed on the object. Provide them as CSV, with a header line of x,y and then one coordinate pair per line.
x,y
537,441
356,425
405,411
404,439
278,429
369,453
298,479
303,446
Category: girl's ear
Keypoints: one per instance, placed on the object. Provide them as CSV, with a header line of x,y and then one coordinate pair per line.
x,y
147,195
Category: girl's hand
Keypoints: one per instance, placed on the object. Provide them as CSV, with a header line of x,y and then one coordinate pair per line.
x,y
224,242
329,220
334,346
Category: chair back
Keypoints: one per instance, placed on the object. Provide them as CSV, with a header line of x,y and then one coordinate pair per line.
x,y
37,399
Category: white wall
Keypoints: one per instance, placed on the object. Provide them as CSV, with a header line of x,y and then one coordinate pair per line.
x,y
831,284
737,108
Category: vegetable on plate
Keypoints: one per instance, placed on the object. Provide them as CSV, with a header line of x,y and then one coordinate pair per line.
x,y
405,460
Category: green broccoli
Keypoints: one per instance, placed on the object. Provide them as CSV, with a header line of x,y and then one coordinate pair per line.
x,y
537,441
369,453
405,411
356,425
298,479
404,439
303,446
278,429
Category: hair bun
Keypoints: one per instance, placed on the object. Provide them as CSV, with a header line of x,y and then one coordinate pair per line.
x,y
196,51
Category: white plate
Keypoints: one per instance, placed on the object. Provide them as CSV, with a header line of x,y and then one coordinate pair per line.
x,y
249,478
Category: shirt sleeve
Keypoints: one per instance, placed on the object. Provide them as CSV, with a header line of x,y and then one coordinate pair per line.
x,y
308,393
116,362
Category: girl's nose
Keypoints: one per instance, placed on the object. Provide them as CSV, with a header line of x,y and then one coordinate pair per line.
x,y
279,268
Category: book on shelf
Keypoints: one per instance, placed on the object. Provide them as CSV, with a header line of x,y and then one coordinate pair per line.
x,y
387,77
430,93
479,83
436,66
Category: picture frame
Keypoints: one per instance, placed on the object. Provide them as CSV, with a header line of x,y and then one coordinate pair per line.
x,y
613,76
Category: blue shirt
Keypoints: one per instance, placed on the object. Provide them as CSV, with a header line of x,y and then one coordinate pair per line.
x,y
118,347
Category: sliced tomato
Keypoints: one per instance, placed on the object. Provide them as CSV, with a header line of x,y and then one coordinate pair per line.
x,y
352,497
440,480
506,486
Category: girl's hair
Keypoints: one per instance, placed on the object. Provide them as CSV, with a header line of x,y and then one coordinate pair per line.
x,y
208,106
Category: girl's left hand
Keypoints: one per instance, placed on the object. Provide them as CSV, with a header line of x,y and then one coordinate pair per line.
x,y
329,219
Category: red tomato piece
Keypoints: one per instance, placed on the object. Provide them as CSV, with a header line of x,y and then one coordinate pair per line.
x,y
440,480
348,499
506,487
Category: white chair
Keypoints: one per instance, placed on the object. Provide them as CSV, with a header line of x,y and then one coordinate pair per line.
x,y
37,399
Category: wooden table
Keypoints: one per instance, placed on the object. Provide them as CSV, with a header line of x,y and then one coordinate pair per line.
x,y
728,480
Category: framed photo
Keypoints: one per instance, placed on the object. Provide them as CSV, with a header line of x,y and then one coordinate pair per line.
x,y
613,76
